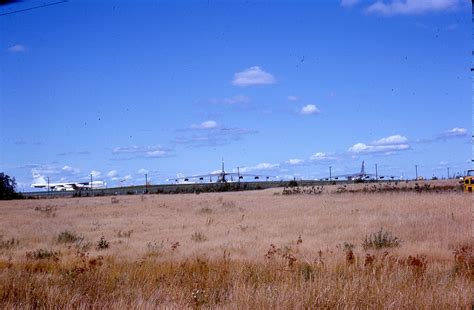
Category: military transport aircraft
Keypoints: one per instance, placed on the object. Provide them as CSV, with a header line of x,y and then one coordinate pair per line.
x,y
40,182
220,177
362,175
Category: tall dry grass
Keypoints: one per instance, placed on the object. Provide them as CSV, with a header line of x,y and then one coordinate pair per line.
x,y
238,250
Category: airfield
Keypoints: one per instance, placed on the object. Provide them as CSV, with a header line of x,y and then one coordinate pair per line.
x,y
284,247
203,187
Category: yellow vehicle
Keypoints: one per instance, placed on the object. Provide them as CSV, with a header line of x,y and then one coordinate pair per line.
x,y
469,181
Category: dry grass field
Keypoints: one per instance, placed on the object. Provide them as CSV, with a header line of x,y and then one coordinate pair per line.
x,y
257,249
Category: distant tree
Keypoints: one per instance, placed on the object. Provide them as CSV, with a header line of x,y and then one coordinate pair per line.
x,y
7,187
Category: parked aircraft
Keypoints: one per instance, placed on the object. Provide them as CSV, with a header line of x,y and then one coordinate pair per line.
x,y
40,182
221,177
362,175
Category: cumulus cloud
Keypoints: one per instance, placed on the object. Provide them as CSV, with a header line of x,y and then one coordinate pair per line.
x,y
395,139
348,3
412,7
367,148
388,145
253,76
112,174
320,156
135,151
205,125
17,48
259,167
295,161
309,109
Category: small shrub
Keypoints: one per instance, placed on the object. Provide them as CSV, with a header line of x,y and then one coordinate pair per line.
x,y
48,211
82,245
228,204
300,240
306,271
8,244
198,237
380,239
243,228
205,210
68,237
42,254
464,258
209,221
154,248
347,246
124,234
174,245
102,244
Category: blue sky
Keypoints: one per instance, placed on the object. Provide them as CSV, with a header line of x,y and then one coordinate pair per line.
x,y
118,89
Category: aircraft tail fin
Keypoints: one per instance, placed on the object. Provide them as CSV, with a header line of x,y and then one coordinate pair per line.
x,y
362,169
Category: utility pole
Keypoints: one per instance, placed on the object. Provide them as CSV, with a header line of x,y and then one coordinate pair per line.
x,y
416,172
330,173
376,173
448,173
48,185
146,183
91,186
238,173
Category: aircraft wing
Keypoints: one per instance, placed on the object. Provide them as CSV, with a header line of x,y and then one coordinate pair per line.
x,y
249,175
198,176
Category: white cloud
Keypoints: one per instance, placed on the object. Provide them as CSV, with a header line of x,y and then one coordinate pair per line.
x,y
293,98
348,3
360,148
17,48
309,109
142,151
95,173
395,139
295,161
321,156
455,132
205,125
45,170
259,167
112,174
412,7
386,146
235,100
156,154
70,170
213,136
253,76
142,171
